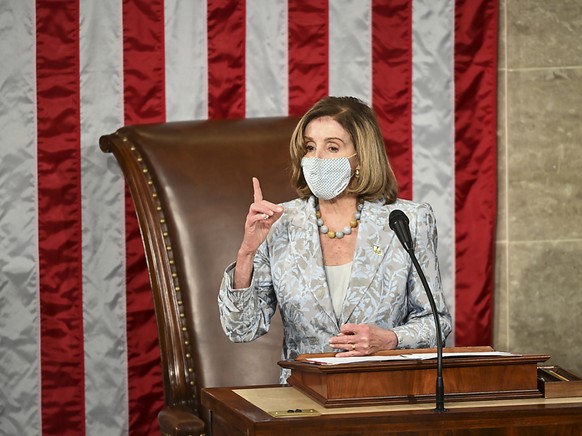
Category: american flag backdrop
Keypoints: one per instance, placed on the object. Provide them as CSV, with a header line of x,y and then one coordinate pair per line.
x,y
78,350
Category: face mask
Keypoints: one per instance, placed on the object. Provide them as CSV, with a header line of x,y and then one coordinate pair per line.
x,y
327,178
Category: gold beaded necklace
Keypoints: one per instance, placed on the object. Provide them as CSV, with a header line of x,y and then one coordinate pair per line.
x,y
347,230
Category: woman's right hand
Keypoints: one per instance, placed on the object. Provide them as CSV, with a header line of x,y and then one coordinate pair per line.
x,y
262,215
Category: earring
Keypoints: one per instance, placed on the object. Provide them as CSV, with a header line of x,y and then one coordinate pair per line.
x,y
357,173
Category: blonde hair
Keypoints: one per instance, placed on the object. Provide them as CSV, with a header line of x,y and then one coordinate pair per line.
x,y
376,180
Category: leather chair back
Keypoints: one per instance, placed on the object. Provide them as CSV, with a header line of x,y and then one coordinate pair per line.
x,y
191,186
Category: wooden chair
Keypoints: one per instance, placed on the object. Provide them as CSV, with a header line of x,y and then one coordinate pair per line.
x,y
191,186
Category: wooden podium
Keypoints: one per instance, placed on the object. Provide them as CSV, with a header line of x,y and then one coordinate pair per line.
x,y
252,411
492,395
481,375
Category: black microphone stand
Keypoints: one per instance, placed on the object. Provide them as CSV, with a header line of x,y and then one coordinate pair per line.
x,y
440,386
399,224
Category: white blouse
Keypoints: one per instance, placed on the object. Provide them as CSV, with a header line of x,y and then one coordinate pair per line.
x,y
338,278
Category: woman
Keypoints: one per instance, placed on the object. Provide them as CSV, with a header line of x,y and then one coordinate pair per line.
x,y
329,259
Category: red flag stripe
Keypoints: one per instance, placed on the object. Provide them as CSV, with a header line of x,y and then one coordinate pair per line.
x,y
308,51
226,59
144,98
392,84
59,218
475,192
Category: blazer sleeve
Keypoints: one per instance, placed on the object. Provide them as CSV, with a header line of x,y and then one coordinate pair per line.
x,y
419,331
245,314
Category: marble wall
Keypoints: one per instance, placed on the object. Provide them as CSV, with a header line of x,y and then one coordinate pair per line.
x,y
538,292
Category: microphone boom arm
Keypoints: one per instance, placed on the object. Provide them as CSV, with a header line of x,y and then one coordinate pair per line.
x,y
399,224
440,386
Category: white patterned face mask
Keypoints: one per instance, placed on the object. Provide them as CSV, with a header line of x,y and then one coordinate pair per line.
x,y
327,178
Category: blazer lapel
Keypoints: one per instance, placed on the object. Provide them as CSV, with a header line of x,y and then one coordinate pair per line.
x,y
374,240
306,248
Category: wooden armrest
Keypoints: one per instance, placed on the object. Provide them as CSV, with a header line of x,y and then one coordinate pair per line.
x,y
180,422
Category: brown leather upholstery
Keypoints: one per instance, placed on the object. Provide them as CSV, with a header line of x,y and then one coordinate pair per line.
x,y
191,186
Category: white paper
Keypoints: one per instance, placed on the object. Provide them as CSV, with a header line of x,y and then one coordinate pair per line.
x,y
419,356
426,356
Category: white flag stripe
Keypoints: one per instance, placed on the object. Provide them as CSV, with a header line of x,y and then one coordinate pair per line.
x,y
266,69
19,318
433,151
186,59
100,58
350,49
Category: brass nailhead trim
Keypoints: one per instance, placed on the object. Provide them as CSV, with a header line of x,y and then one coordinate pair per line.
x,y
188,355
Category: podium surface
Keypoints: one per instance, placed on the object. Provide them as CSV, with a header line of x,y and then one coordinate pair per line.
x,y
284,410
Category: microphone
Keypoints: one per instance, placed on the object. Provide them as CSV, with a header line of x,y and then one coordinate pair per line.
x,y
399,224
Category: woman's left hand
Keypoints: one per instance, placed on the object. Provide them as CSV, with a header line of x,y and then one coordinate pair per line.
x,y
363,339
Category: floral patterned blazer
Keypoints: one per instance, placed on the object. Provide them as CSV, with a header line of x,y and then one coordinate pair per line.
x,y
384,287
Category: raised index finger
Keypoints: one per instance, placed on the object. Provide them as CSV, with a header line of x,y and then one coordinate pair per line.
x,y
257,193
